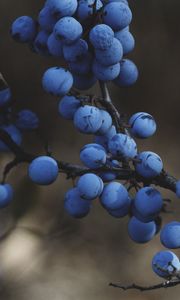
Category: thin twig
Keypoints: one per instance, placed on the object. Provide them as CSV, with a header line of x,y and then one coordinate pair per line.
x,y
165,284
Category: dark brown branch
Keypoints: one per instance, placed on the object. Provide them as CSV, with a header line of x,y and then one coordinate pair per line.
x,y
109,105
164,180
165,284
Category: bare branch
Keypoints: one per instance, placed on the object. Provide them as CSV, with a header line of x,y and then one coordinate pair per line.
x,y
165,284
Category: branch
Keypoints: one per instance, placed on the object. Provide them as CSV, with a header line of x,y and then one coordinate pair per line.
x,y
164,180
165,284
109,105
119,122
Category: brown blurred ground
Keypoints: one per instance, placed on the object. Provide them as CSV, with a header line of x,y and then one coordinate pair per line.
x,y
82,257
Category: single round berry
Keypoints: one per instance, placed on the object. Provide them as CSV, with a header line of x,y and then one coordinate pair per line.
x,y
106,122
47,19
76,51
170,235
117,15
23,29
57,81
142,125
148,203
55,46
43,170
122,145
90,186
87,119
165,264
114,196
68,105
39,45
122,212
110,56
148,164
93,156
75,205
68,30
141,232
27,120
62,8
105,73
128,74
126,39
101,36
82,66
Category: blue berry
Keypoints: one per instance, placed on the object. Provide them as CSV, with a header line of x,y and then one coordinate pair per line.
x,y
117,15
122,145
141,232
150,164
87,119
114,196
90,186
6,195
23,29
81,66
68,105
111,55
27,119
76,206
40,43
106,122
126,39
143,125
170,235
62,8
93,156
68,30
122,212
148,203
43,170
101,36
75,51
106,73
57,81
55,46
165,264
128,74
46,19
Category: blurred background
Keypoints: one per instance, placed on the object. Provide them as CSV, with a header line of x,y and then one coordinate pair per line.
x,y
47,254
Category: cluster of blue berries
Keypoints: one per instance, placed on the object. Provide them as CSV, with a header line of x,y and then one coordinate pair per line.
x,y
14,124
92,36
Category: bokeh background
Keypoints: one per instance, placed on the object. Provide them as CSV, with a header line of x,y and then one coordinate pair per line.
x,y
46,254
